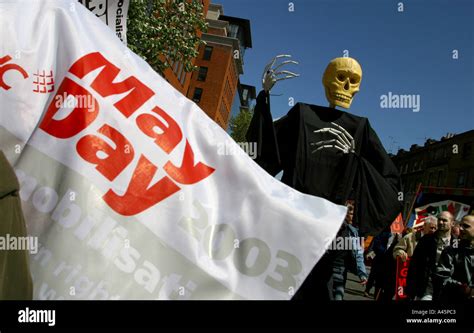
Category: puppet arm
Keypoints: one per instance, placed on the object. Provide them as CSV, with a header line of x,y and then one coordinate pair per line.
x,y
271,137
377,185
270,75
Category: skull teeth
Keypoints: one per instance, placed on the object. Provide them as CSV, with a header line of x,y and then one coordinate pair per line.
x,y
342,98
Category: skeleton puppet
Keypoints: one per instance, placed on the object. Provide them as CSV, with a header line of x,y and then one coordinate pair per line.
x,y
327,152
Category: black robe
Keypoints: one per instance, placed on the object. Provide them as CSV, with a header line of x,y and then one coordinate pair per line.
x,y
367,176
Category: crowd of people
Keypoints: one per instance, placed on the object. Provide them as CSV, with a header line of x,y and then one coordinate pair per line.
x,y
440,254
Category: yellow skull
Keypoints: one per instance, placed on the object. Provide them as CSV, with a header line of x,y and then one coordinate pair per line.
x,y
341,81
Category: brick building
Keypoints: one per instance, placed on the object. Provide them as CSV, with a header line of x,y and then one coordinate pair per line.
x,y
213,87
176,75
444,168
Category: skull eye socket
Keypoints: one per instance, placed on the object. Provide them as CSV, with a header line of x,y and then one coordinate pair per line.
x,y
341,77
354,80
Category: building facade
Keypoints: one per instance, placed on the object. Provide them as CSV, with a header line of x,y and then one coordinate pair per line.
x,y
176,75
214,85
444,168
244,98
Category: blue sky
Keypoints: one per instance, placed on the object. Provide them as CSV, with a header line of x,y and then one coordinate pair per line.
x,y
409,52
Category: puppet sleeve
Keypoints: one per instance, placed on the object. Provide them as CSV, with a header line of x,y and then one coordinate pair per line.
x,y
274,138
379,186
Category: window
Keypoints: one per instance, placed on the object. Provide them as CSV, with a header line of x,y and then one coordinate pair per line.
x,y
245,95
223,111
180,70
197,95
440,178
461,179
233,31
228,92
207,52
183,77
175,67
430,178
202,74
467,151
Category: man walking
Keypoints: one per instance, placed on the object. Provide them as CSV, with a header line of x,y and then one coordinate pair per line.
x,y
453,280
406,246
426,255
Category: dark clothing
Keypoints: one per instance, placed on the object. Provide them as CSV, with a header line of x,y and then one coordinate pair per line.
x,y
380,243
368,176
379,246
15,278
318,286
374,268
339,278
455,268
423,265
385,280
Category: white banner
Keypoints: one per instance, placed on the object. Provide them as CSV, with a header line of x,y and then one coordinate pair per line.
x,y
111,12
122,179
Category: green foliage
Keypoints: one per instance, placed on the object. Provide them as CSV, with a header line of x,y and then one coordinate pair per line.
x,y
240,124
165,31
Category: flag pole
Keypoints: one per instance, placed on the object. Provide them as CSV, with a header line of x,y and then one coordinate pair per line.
x,y
412,205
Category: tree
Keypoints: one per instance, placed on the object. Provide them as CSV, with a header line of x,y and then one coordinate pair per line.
x,y
240,124
166,31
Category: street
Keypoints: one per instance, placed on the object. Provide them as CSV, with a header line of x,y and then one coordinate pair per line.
x,y
354,290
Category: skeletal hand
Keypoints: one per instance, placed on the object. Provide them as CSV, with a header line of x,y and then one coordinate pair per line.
x,y
343,141
271,76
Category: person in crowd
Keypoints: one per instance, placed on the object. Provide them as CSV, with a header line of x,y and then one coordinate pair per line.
x,y
385,280
351,259
378,247
407,231
453,280
425,257
406,246
455,230
430,226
